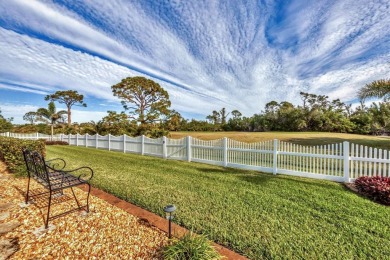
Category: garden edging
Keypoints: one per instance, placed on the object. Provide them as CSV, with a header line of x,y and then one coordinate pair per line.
x,y
156,220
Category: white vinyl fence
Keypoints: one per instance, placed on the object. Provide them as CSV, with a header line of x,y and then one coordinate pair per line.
x,y
342,162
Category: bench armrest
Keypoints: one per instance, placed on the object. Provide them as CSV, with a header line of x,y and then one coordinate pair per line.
x,y
56,163
86,176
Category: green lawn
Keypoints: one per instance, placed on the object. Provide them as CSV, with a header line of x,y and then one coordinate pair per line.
x,y
256,214
302,138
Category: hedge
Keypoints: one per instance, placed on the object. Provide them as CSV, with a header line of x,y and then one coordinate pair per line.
x,y
56,143
11,152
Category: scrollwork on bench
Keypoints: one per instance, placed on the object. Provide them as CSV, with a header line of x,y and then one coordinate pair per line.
x,y
52,176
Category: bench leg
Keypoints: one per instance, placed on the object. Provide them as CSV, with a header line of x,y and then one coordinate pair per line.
x,y
48,212
28,188
75,198
89,191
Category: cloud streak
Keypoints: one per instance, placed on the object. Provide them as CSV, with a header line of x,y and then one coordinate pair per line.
x,y
207,54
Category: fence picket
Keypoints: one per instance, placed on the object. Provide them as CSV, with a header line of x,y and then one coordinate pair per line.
x,y
385,165
380,165
340,162
374,156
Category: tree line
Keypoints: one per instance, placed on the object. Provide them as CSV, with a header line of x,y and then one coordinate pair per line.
x,y
316,113
147,111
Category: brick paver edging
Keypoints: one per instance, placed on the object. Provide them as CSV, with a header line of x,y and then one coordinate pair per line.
x,y
155,220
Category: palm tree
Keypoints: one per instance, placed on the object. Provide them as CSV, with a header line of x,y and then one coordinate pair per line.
x,y
378,88
50,115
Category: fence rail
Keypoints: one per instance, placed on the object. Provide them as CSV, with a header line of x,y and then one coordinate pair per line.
x,y
342,162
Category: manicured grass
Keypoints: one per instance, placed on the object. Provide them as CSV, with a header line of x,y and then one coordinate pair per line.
x,y
302,138
259,215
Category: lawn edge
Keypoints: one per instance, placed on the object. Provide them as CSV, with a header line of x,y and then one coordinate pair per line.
x,y
155,220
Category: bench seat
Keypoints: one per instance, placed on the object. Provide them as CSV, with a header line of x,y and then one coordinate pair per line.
x,y
52,176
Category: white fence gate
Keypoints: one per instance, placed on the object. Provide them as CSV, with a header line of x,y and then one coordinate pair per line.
x,y
342,162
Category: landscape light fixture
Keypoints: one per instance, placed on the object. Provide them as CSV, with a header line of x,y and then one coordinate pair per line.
x,y
169,209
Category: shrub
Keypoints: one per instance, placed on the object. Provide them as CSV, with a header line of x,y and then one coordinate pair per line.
x,y
191,246
56,143
11,152
378,188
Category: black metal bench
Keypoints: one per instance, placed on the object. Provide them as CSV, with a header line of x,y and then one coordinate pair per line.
x,y
52,176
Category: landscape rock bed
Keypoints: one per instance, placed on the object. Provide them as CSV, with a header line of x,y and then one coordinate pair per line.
x,y
105,232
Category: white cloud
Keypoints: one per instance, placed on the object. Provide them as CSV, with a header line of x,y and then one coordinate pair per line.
x,y
23,89
81,116
9,110
215,55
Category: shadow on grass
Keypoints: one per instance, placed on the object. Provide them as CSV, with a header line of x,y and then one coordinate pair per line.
x,y
221,170
258,179
262,178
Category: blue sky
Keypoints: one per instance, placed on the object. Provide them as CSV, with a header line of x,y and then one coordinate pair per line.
x,y
207,54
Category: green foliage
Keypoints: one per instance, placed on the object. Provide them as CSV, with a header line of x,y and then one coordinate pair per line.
x,y
149,105
377,88
38,128
90,128
31,117
69,98
117,124
191,246
196,125
214,118
174,121
259,215
11,152
5,124
362,122
380,114
50,115
318,113
146,99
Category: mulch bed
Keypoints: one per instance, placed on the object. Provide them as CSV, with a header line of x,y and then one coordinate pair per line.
x,y
352,187
107,232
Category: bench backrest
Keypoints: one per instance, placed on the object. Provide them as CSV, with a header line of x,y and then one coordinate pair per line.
x,y
36,165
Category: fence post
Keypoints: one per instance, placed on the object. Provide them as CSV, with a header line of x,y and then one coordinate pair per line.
x,y
86,140
189,151
142,145
164,143
77,139
97,141
346,161
225,152
62,137
275,169
109,142
37,136
7,134
124,143
69,138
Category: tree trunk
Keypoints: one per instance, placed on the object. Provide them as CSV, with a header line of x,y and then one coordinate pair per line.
x,y
52,131
69,117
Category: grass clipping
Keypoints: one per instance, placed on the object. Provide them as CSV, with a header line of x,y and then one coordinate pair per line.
x,y
106,232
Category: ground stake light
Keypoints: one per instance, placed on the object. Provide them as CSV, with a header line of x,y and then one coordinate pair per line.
x,y
169,209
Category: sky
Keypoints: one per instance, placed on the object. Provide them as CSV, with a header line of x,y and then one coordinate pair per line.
x,y
207,54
